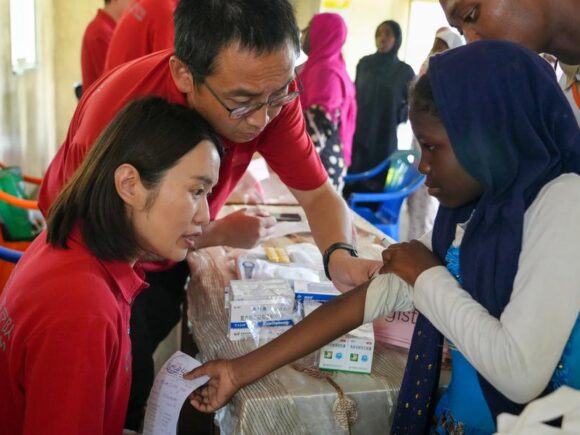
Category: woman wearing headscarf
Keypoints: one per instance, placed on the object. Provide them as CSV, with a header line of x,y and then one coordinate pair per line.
x,y
445,39
328,97
381,95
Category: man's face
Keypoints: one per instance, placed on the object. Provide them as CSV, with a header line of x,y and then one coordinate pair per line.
x,y
521,21
243,78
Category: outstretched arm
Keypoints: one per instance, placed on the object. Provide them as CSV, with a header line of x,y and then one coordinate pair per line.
x,y
325,324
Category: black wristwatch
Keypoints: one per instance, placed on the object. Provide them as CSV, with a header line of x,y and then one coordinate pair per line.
x,y
331,249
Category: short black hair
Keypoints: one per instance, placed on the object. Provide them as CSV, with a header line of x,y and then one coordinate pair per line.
x,y
150,134
422,99
203,28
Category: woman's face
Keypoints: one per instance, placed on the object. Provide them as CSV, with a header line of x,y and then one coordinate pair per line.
x,y
384,38
446,179
170,216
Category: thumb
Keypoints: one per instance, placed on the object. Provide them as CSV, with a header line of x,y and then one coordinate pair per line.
x,y
197,372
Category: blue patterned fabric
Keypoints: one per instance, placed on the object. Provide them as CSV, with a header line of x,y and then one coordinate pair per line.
x,y
568,369
462,408
512,129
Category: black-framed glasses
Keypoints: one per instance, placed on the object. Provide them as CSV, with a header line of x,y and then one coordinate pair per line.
x,y
243,111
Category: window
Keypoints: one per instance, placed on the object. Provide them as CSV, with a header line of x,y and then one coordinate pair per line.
x,y
22,35
425,18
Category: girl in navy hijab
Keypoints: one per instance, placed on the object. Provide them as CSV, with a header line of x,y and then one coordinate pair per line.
x,y
498,276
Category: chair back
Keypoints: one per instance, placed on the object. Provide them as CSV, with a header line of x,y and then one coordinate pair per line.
x,y
17,222
20,220
403,178
402,170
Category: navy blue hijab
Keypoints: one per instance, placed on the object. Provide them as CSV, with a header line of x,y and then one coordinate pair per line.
x,y
511,128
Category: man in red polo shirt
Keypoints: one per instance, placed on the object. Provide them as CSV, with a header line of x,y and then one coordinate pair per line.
x,y
145,27
96,40
234,63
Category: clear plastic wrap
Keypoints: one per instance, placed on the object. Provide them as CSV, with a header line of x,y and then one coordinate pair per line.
x,y
255,268
273,320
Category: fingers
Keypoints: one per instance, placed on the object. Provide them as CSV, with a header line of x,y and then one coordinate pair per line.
x,y
204,399
387,255
268,221
200,404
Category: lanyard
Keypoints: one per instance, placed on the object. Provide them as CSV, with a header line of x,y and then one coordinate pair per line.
x,y
576,94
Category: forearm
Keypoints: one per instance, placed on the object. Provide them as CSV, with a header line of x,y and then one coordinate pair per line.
x,y
210,236
328,216
330,321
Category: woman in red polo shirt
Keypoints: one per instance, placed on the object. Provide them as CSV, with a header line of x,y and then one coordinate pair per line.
x,y
139,195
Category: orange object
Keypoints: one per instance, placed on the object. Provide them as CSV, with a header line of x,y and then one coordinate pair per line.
x,y
27,178
6,268
576,93
18,202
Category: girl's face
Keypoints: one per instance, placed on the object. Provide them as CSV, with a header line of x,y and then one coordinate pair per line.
x,y
169,217
384,38
446,179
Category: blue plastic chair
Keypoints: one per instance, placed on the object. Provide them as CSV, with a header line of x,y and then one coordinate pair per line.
x,y
403,178
10,255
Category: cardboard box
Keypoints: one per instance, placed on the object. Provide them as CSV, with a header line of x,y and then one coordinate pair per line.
x,y
315,291
353,352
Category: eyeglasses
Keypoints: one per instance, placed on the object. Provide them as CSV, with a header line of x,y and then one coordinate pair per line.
x,y
243,111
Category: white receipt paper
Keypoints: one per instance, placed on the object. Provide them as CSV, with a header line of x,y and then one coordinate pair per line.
x,y
169,392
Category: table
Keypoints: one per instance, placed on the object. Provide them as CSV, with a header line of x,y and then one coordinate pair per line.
x,y
288,401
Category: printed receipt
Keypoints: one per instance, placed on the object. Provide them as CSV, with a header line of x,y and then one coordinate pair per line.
x,y
169,392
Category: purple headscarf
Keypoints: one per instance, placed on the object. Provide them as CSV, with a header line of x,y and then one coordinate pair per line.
x,y
326,82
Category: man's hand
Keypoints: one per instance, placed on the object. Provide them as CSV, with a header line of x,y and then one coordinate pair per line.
x,y
219,389
348,272
408,260
241,229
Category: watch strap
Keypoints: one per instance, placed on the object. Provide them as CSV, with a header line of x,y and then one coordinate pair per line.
x,y
338,245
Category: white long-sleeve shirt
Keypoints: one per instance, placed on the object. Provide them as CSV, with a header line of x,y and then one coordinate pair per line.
x,y
518,352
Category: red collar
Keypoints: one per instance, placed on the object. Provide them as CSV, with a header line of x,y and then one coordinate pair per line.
x,y
129,281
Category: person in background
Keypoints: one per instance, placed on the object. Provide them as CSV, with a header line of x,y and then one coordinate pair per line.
x,y
382,81
233,63
141,193
328,98
423,207
445,39
505,232
541,25
145,27
570,82
97,38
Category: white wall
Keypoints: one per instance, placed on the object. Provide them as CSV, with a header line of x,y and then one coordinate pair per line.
x,y
27,110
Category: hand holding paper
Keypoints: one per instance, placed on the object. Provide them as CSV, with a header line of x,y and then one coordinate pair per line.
x,y
168,394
